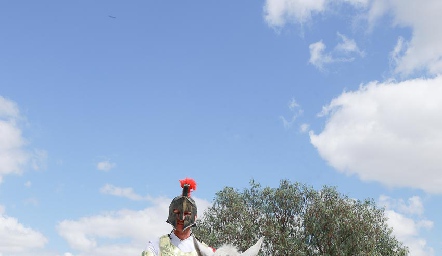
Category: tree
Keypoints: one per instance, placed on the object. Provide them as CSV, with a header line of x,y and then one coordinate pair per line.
x,y
297,220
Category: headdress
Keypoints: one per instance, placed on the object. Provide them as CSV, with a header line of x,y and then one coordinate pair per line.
x,y
183,207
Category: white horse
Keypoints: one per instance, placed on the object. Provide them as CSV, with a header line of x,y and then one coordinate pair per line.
x,y
227,250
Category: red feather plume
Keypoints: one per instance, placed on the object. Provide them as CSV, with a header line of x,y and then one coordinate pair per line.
x,y
191,182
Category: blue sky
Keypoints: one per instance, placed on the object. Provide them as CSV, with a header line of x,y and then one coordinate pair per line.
x,y
105,105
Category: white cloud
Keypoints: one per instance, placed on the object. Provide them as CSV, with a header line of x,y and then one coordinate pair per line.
x,y
90,235
8,109
295,110
406,227
304,128
423,51
105,166
139,226
14,156
15,238
397,52
287,123
122,192
317,56
343,52
413,207
279,12
38,160
348,46
407,230
293,105
386,132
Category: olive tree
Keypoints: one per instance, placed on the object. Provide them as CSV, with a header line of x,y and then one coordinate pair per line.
x,y
297,220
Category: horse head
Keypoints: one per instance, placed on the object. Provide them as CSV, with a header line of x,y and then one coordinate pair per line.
x,y
227,250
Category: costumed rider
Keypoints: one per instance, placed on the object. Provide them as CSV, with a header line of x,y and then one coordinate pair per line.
x,y
182,216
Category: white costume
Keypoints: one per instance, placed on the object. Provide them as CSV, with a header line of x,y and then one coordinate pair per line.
x,y
170,245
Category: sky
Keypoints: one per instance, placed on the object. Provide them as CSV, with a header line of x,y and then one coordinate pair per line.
x,y
106,105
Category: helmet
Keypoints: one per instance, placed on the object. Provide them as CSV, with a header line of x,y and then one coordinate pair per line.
x,y
184,204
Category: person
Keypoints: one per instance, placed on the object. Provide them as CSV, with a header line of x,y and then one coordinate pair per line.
x,y
182,217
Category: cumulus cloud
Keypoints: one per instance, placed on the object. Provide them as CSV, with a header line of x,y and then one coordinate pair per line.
x,y
16,239
423,51
386,132
129,230
14,156
413,206
407,231
105,166
401,216
85,233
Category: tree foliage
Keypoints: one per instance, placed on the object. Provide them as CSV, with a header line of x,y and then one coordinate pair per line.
x,y
297,220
